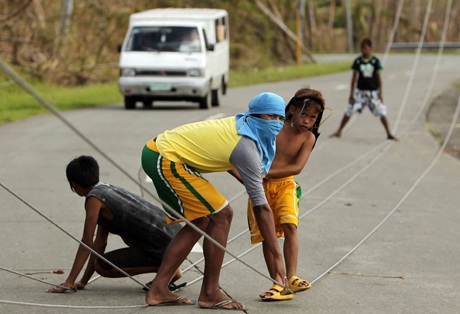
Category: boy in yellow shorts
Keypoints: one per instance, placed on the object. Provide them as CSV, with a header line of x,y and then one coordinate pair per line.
x,y
293,147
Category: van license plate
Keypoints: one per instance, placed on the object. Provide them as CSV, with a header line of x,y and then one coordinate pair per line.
x,y
160,86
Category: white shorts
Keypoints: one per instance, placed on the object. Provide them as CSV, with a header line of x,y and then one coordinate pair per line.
x,y
369,98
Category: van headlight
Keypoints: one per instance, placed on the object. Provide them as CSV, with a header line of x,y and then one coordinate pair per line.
x,y
195,73
128,72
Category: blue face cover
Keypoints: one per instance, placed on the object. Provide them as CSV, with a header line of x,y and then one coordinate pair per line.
x,y
262,131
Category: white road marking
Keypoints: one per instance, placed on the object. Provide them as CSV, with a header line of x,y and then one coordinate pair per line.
x,y
341,87
197,248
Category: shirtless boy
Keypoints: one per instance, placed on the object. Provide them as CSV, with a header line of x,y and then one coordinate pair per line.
x,y
293,147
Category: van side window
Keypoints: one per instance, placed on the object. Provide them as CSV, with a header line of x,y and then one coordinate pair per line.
x,y
221,29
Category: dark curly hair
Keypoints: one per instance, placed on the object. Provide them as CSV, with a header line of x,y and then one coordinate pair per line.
x,y
84,171
311,98
366,42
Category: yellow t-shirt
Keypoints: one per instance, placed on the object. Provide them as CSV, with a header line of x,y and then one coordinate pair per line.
x,y
205,145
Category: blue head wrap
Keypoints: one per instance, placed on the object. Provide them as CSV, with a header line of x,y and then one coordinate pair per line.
x,y
262,131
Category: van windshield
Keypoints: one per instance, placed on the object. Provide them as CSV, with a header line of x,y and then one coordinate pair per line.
x,y
164,38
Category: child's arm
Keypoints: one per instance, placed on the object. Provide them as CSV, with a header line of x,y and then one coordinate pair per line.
x,y
235,174
300,161
379,80
99,246
265,220
351,98
92,206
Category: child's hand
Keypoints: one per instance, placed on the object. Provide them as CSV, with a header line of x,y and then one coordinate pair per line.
x,y
61,289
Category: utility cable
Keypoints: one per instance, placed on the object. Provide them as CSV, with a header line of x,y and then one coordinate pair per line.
x,y
446,141
67,233
403,199
31,277
435,71
323,144
30,90
393,32
414,65
435,160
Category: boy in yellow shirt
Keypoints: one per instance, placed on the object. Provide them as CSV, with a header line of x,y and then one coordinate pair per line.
x,y
175,160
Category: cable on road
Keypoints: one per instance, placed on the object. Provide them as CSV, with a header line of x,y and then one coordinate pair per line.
x,y
410,191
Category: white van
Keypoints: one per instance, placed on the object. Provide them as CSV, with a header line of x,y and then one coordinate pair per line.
x,y
175,54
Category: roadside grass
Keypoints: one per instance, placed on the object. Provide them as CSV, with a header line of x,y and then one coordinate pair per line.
x,y
274,74
17,104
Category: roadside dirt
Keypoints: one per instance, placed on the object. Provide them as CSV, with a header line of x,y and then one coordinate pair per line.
x,y
439,117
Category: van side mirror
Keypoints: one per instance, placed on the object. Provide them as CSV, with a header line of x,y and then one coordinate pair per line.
x,y
119,48
210,47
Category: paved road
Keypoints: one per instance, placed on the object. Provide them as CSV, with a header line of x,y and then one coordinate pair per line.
x,y
408,265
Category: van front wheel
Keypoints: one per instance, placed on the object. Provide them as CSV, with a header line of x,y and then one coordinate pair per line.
x,y
205,101
217,96
130,102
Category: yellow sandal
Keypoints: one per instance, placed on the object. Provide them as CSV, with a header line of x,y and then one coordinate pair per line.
x,y
278,293
297,285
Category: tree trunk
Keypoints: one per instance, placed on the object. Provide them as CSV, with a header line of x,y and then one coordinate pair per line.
x,y
330,24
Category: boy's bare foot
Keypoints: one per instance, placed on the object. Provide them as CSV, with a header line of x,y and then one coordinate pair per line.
x,y
219,301
180,300
166,298
392,138
228,304
336,134
172,286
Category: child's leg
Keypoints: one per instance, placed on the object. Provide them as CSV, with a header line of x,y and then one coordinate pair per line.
x,y
210,294
131,260
291,248
218,229
342,125
269,261
378,109
387,128
256,236
351,108
175,254
291,254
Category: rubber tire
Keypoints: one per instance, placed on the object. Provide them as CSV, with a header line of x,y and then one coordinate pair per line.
x,y
130,102
147,103
216,97
205,101
224,87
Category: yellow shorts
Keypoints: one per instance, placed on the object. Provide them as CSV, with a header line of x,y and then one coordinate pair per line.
x,y
182,188
283,196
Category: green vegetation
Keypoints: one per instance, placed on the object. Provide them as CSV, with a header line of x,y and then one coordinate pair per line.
x,y
291,72
77,49
55,53
16,103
